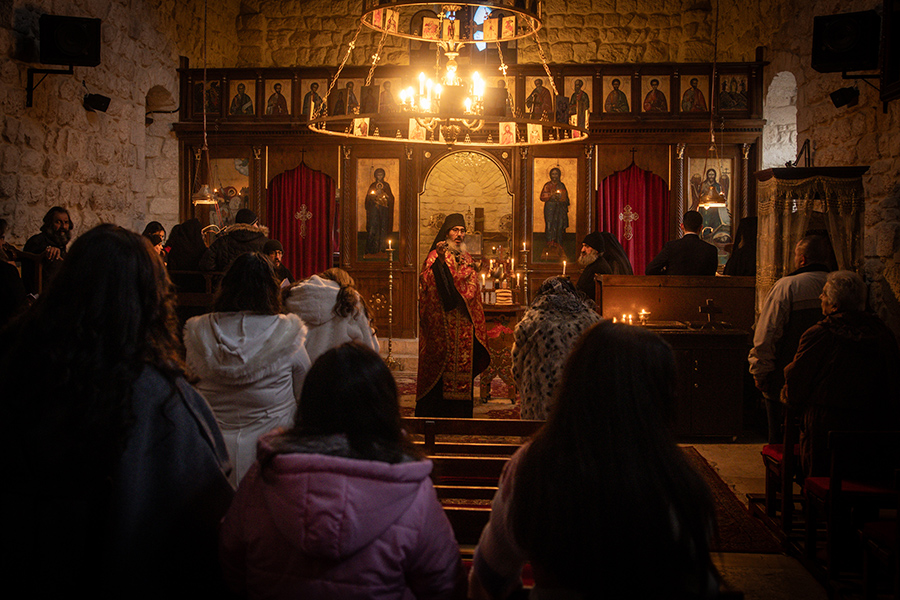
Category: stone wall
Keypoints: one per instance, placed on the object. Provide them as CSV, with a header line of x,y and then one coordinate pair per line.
x,y
105,167
857,135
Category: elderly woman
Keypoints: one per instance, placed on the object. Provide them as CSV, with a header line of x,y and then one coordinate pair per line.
x,y
844,375
555,320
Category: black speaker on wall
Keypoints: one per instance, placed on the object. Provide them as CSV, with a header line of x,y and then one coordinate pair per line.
x,y
70,41
846,42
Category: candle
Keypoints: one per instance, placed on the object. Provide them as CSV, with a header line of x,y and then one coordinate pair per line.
x,y
523,246
389,244
564,268
517,279
624,318
512,264
482,280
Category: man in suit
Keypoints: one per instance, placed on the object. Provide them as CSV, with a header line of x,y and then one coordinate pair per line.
x,y
688,256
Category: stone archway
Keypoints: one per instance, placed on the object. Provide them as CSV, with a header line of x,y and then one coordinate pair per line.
x,y
460,182
780,131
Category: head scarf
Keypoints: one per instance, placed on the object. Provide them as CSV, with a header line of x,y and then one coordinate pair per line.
x,y
615,255
454,220
558,293
595,241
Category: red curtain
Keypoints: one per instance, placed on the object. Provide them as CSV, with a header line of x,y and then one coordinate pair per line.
x,y
300,210
647,195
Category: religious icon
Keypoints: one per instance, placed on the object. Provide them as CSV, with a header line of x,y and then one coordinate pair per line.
x,y
451,30
312,102
278,100
386,102
579,103
617,99
390,20
733,93
711,193
241,100
553,203
211,100
378,18
539,102
692,98
361,127
491,29
654,97
431,28
508,28
377,206
507,133
416,131
535,133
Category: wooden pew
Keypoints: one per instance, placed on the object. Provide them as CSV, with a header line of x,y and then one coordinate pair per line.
x,y
503,436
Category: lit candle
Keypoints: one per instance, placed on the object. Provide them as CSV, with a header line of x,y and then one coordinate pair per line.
x,y
517,279
624,318
389,243
482,280
512,264
564,268
523,246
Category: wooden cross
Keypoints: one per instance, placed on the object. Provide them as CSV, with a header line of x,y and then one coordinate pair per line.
x,y
633,151
303,215
628,216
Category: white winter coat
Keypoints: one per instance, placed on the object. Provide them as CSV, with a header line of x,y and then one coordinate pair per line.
x,y
314,299
251,369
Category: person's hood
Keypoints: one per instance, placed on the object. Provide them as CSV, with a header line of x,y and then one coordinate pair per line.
x,y
244,232
241,347
314,299
330,507
856,326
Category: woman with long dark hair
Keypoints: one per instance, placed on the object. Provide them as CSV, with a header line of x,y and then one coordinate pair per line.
x,y
333,310
602,502
250,358
341,505
113,464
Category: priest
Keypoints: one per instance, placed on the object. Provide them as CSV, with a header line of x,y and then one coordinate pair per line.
x,y
452,341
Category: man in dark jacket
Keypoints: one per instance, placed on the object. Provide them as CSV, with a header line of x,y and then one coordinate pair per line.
x,y
246,235
688,256
50,243
592,260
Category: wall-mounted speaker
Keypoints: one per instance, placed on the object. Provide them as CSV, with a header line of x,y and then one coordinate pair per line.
x,y
846,42
70,41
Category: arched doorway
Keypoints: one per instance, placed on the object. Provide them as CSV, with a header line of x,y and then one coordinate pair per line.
x,y
469,183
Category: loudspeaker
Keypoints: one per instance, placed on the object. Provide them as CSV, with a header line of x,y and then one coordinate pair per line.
x,y
70,41
846,42
97,102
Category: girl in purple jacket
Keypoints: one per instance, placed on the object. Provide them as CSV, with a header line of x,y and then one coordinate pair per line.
x,y
341,505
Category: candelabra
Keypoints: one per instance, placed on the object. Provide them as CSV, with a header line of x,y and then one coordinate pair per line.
x,y
392,363
525,271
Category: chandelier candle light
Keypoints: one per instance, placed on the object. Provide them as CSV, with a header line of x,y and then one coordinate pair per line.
x,y
449,109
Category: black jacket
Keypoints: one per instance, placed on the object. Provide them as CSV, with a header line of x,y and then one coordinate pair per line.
x,y
688,256
231,243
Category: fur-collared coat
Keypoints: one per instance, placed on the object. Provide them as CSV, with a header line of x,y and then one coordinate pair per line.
x,y
235,240
543,340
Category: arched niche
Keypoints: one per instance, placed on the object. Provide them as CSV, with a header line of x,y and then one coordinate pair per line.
x,y
464,182
780,131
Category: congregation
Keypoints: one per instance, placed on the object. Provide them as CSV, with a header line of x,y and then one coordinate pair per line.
x,y
260,452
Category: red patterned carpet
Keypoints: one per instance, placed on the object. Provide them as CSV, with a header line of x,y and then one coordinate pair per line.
x,y
499,407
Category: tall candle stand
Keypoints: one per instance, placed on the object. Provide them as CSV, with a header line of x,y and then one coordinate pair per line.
x,y
392,363
525,272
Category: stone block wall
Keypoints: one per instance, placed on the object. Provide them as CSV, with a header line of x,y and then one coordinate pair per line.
x,y
858,135
104,167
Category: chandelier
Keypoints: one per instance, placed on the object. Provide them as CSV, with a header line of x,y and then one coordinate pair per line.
x,y
449,109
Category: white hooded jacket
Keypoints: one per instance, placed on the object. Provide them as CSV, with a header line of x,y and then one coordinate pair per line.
x,y
251,369
313,300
